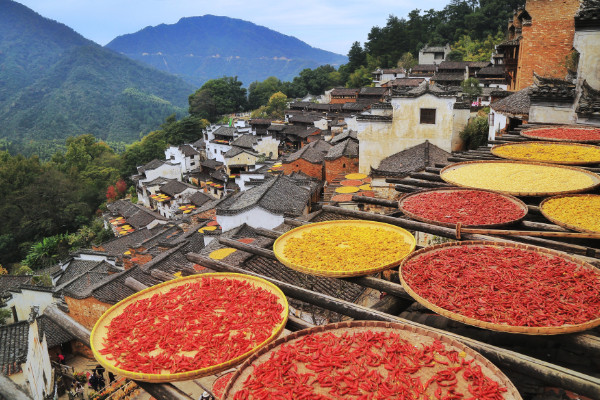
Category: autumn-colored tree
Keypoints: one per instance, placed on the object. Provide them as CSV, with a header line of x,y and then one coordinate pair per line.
x,y
121,186
111,193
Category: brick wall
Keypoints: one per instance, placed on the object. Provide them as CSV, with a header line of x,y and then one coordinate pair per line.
x,y
547,40
86,311
314,170
341,166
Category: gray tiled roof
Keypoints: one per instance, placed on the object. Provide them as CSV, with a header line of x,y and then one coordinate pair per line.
x,y
343,136
234,151
517,103
8,282
412,82
188,150
444,65
55,334
279,195
175,187
225,131
588,13
378,91
151,165
412,159
117,246
199,198
136,215
212,164
13,348
245,141
433,49
552,89
307,153
344,92
492,70
199,144
75,269
424,68
425,88
448,77
348,148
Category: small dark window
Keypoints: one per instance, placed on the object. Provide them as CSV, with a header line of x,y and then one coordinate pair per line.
x,y
343,165
428,115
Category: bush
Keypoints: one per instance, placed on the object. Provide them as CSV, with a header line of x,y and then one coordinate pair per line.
x,y
475,134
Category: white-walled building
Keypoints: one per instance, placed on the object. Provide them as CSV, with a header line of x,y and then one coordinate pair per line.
x,y
185,155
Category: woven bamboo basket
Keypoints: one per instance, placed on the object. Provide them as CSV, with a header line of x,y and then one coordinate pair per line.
x,y
531,134
542,330
595,178
360,270
219,385
495,151
518,203
563,223
101,328
410,333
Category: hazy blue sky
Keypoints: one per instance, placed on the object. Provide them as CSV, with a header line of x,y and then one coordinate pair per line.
x,y
328,24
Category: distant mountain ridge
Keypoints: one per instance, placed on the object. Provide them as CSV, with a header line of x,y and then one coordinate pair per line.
x,y
54,83
207,47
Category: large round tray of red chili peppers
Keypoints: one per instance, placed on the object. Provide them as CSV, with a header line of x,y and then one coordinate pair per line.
x,y
368,360
473,208
564,134
505,286
189,327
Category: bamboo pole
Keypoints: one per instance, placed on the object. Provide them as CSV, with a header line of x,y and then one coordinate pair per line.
x,y
546,372
376,201
507,232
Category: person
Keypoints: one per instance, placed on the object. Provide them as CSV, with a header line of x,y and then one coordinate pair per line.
x,y
61,358
206,396
79,391
72,392
94,381
111,377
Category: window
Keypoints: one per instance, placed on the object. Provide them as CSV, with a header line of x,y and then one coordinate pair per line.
x,y
428,115
215,151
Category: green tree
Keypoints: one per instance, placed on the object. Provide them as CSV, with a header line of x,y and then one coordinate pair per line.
x,y
475,134
357,57
471,88
360,78
217,97
316,81
275,108
407,61
4,316
260,92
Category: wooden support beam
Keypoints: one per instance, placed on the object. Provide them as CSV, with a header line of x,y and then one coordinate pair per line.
x,y
134,284
162,275
407,188
294,222
268,233
424,184
160,391
426,176
376,201
546,372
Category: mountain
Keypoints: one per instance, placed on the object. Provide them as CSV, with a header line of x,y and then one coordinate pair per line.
x,y
207,47
54,83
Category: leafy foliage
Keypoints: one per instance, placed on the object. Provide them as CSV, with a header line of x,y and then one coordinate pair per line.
x,y
217,97
475,134
5,314
316,81
471,88
274,109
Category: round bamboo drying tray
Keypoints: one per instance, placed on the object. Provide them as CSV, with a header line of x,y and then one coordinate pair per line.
x,y
407,332
531,134
371,267
496,150
219,385
527,330
101,328
518,203
595,179
563,223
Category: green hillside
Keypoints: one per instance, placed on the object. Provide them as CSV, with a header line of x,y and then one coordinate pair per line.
x,y
54,84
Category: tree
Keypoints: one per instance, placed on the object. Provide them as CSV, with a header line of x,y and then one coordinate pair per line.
x,y
111,194
407,61
357,57
471,88
316,81
4,316
275,108
360,78
475,134
121,187
260,92
218,97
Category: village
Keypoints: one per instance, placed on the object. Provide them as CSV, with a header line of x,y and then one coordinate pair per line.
x,y
217,205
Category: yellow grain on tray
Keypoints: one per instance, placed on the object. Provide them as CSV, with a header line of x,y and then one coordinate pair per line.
x,y
580,212
560,153
347,189
346,248
512,177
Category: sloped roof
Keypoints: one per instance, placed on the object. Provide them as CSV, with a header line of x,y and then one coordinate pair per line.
x,y
375,91
453,65
200,198
433,49
55,334
234,151
448,77
348,148
343,136
588,14
225,131
13,351
407,82
304,118
8,282
279,195
313,153
118,245
260,121
175,187
136,215
412,159
245,141
114,290
589,102
424,88
345,92
212,164
76,268
199,144
424,68
492,70
188,150
517,103
151,165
